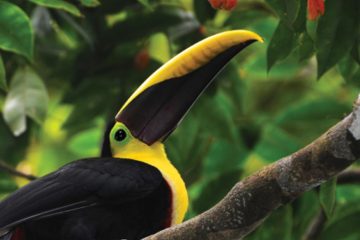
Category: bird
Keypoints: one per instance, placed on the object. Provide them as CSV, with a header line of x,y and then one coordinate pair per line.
x,y
132,189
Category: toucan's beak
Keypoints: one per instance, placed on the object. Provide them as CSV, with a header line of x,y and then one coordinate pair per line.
x,y
155,109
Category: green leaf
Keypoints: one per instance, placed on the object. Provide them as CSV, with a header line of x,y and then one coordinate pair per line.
x,y
299,24
3,84
281,44
304,211
7,186
271,229
27,97
344,223
335,33
301,117
59,4
276,143
149,23
327,196
146,4
12,149
355,51
286,9
214,189
348,68
90,3
86,143
159,47
203,11
16,34
306,47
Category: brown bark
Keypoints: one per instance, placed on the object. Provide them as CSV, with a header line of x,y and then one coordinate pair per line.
x,y
250,201
12,171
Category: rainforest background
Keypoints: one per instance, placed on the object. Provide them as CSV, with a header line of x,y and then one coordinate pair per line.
x,y
66,67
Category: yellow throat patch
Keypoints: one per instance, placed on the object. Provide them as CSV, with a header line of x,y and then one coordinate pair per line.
x,y
155,156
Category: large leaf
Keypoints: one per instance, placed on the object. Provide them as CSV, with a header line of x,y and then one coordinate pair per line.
x,y
344,224
59,4
348,68
327,196
3,84
335,33
16,34
27,97
299,24
286,9
281,44
305,47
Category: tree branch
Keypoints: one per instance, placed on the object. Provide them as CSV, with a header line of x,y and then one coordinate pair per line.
x,y
6,168
351,176
250,201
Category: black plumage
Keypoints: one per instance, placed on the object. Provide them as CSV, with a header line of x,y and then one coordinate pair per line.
x,y
98,198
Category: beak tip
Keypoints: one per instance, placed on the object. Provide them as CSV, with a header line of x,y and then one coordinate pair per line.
x,y
254,36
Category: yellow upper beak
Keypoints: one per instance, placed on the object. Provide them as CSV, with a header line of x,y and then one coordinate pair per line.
x,y
158,105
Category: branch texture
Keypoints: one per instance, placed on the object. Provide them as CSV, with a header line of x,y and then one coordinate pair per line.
x,y
12,171
250,201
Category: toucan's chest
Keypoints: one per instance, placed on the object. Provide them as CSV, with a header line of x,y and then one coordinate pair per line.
x,y
108,221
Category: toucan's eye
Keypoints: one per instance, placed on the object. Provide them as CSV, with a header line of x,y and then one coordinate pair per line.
x,y
120,135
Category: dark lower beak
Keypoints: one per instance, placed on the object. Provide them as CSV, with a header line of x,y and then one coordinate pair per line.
x,y
160,103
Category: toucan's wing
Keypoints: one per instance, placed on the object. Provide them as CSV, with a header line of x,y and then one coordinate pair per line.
x,y
80,184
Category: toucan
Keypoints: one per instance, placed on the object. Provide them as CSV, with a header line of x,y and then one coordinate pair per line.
x,y
132,190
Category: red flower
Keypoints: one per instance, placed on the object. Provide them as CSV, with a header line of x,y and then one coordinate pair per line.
x,y
223,4
315,9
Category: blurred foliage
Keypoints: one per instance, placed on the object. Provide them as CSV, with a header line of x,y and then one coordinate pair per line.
x,y
67,66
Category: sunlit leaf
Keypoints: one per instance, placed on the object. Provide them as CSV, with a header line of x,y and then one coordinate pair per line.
x,y
327,196
86,143
27,97
335,33
16,34
59,4
159,47
145,3
90,3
